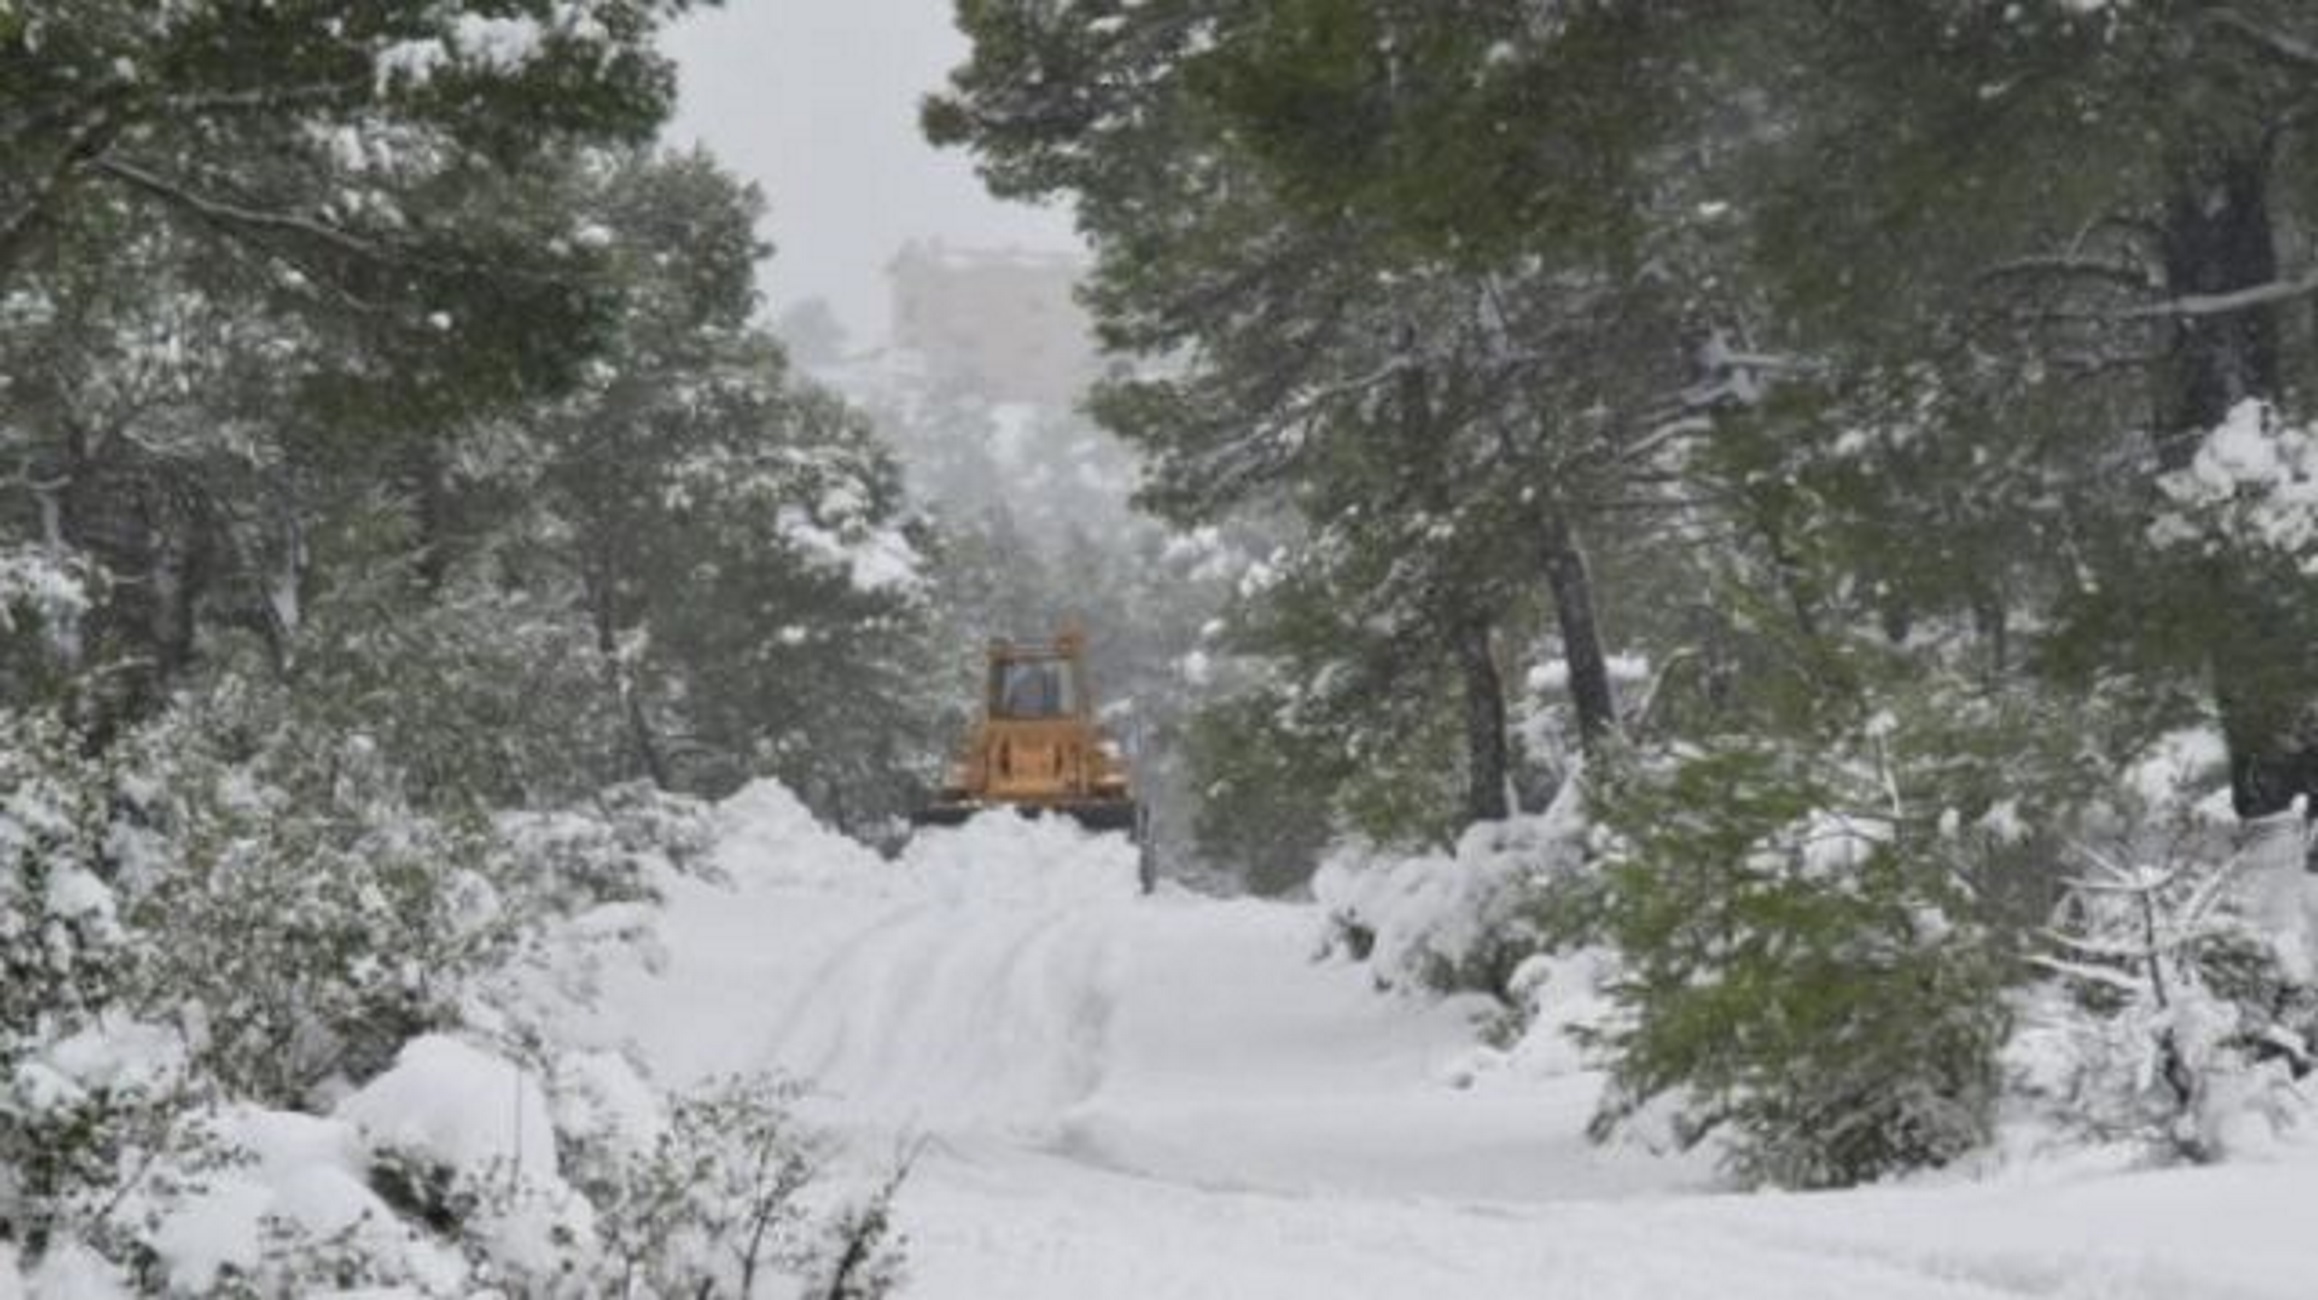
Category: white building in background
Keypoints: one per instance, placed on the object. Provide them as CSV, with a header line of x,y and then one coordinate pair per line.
x,y
999,322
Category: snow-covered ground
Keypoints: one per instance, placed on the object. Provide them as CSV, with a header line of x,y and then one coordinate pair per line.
x,y
1169,1097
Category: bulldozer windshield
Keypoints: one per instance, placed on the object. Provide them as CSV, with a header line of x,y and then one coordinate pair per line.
x,y
1033,688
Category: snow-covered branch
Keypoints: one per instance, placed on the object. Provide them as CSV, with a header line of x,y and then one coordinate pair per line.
x,y
258,99
2123,273
2292,49
2223,304
225,213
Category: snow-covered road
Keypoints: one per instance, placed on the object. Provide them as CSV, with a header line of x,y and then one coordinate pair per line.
x,y
1167,1097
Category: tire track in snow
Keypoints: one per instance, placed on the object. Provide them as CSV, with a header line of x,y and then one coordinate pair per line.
x,y
805,1038
999,1004
955,1016
866,988
826,978
1056,983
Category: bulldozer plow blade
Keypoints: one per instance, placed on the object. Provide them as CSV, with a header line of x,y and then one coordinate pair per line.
x,y
945,814
1094,815
1106,817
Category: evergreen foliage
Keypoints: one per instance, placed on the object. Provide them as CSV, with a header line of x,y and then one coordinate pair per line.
x,y
1802,965
400,511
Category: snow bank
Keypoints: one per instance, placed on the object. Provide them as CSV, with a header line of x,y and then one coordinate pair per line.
x,y
450,1106
458,1106
72,1271
767,838
298,1174
604,1096
977,993
1001,858
765,835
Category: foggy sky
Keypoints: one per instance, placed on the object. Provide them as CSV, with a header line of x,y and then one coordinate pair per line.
x,y
816,101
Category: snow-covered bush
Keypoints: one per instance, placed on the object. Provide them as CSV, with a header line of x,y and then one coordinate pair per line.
x,y
461,1139
304,920
1464,920
2253,483
718,1203
616,848
307,919
62,949
2173,1019
1798,967
44,596
715,1201
64,957
99,1132
268,1026
860,1255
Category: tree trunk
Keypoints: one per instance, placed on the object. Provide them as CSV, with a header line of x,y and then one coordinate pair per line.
x,y
644,745
1486,762
1581,634
1423,444
431,493
104,514
180,577
2219,239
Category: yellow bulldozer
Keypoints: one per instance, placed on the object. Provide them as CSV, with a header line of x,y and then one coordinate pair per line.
x,y
1039,749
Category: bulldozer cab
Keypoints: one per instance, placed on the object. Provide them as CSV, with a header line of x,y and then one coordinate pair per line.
x,y
1032,686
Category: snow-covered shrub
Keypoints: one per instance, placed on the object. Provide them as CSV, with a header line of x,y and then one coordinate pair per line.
x,y
461,1139
100,1133
62,949
44,599
2253,483
718,1203
304,919
105,1131
860,1255
585,882
1464,920
2173,1019
67,1116
1798,968
616,848
232,917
